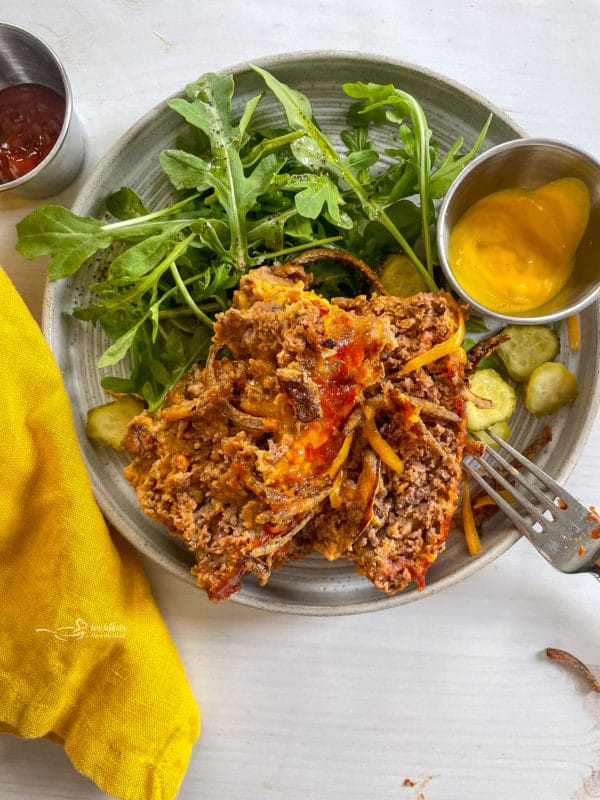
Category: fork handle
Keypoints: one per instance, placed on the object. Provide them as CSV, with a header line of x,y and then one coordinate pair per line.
x,y
595,570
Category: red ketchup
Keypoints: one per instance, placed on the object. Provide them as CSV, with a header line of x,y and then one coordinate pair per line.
x,y
31,118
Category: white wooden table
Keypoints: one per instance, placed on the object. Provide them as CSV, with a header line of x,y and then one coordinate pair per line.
x,y
452,692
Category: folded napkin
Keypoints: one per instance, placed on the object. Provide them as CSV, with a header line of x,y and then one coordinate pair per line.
x,y
85,657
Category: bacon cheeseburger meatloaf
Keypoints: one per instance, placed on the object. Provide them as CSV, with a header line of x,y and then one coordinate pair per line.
x,y
314,425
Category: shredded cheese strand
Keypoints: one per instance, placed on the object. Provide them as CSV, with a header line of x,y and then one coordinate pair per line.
x,y
469,527
440,350
486,500
335,496
573,331
341,456
386,453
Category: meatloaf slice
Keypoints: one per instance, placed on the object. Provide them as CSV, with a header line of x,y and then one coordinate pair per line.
x,y
393,523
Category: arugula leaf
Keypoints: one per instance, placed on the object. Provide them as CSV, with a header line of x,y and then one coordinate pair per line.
x,y
313,192
246,117
185,170
70,239
453,163
475,325
117,351
309,154
118,385
361,160
493,361
126,204
142,257
275,141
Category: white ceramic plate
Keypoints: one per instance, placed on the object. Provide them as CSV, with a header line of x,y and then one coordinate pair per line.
x,y
313,585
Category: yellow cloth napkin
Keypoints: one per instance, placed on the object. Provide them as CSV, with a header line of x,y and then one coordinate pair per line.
x,y
85,657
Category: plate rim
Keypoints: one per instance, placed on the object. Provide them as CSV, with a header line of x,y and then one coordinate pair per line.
x,y
111,510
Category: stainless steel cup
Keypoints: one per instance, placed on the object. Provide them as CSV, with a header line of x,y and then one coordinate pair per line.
x,y
26,59
525,164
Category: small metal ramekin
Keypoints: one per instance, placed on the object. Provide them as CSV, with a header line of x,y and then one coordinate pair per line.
x,y
527,164
26,59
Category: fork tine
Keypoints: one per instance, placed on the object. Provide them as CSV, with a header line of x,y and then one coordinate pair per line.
x,y
542,498
519,496
503,505
547,480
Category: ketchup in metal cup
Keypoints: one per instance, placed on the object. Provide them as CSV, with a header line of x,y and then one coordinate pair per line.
x,y
31,118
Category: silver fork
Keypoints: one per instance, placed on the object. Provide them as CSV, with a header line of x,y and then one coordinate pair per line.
x,y
559,526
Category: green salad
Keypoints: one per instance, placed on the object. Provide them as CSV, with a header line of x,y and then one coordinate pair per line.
x,y
244,196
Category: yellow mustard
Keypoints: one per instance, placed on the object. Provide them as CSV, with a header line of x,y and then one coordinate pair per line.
x,y
514,249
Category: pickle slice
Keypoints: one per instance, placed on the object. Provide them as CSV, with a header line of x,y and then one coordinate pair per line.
x,y
501,429
487,383
400,277
528,347
107,424
549,387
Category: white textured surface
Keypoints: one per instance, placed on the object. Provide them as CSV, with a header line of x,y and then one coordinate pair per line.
x,y
455,686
